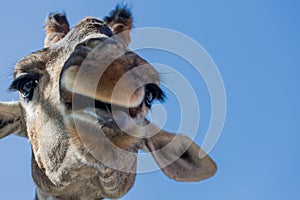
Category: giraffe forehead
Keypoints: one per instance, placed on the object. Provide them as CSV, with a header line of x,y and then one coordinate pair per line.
x,y
36,62
55,56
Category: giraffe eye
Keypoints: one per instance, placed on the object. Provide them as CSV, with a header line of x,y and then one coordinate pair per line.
x,y
26,88
25,85
153,92
149,98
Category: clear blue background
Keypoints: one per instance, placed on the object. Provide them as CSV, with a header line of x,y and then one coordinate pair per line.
x,y
256,47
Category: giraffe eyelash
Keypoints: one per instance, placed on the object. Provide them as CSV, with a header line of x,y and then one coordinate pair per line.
x,y
15,85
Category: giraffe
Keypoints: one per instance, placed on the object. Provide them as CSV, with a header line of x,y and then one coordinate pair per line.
x,y
84,95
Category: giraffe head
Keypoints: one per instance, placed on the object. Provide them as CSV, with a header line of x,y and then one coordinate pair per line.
x,y
83,104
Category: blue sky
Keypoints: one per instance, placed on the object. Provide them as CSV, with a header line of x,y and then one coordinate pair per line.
x,y
255,45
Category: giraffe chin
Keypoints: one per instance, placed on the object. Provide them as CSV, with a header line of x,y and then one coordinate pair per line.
x,y
100,131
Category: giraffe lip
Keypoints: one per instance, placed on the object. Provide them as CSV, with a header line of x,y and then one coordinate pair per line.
x,y
109,115
116,119
80,102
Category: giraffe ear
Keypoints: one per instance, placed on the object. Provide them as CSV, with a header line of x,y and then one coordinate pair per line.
x,y
120,22
12,119
180,158
56,27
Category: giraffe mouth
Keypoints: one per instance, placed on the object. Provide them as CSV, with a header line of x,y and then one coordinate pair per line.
x,y
111,115
108,115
